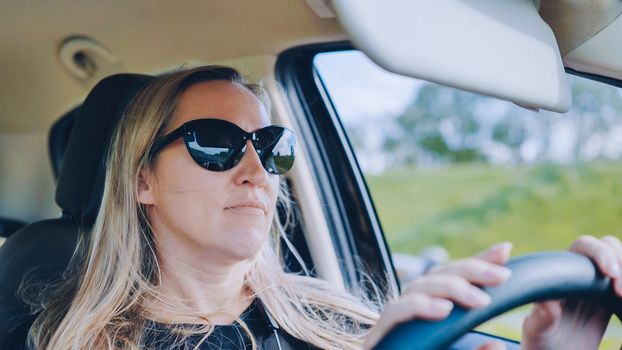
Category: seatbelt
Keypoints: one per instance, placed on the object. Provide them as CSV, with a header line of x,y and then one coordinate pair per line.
x,y
271,322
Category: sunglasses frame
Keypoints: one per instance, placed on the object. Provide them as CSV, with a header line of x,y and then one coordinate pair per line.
x,y
187,132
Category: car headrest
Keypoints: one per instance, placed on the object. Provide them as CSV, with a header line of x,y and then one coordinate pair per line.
x,y
81,180
58,138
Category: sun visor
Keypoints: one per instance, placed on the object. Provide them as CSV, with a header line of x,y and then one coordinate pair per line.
x,y
576,21
588,34
500,48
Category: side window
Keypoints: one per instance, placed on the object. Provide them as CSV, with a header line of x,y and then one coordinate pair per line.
x,y
452,172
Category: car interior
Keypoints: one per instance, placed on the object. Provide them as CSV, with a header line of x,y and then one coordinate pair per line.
x,y
41,251
69,69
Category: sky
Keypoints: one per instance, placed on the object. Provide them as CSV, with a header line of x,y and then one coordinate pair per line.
x,y
377,93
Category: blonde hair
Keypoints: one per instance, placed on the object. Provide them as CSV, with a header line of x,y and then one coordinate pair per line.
x,y
116,273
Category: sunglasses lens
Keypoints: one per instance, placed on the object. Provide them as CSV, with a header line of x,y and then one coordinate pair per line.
x,y
214,144
275,146
219,145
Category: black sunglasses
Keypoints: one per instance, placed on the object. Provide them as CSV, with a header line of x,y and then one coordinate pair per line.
x,y
219,145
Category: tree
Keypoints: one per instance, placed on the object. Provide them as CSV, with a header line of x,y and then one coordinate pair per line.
x,y
438,126
511,131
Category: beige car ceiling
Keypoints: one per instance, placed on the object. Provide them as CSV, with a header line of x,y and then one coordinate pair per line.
x,y
154,35
144,35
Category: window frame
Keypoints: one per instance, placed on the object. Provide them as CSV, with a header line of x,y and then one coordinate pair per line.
x,y
352,219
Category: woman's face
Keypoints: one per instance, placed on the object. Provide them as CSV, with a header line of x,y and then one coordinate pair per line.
x,y
200,214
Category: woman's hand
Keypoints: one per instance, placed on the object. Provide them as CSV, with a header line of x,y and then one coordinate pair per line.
x,y
431,297
576,325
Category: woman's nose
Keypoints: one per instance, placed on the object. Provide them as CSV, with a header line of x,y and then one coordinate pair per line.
x,y
250,168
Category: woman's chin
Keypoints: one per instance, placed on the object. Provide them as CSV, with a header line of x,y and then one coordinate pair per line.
x,y
245,244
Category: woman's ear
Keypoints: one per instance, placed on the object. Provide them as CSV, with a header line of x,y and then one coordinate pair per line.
x,y
145,187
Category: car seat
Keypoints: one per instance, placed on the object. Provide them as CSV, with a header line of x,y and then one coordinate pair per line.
x,y
57,143
41,250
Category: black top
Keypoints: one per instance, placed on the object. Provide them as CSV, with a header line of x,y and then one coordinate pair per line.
x,y
228,337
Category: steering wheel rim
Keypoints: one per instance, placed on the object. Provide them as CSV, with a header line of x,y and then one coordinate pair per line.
x,y
535,277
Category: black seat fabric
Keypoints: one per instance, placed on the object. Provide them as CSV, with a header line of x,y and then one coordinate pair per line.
x,y
40,251
59,137
8,226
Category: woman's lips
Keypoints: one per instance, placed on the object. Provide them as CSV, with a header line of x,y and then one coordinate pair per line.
x,y
255,207
246,210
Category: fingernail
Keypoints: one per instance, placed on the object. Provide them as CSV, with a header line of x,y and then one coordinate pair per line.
x,y
498,273
480,297
503,245
614,269
444,305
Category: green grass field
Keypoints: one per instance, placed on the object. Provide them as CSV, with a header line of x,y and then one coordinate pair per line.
x,y
467,208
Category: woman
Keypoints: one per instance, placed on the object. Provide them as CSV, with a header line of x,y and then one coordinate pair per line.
x,y
183,251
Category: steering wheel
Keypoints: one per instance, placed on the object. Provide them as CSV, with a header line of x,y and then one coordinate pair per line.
x,y
535,277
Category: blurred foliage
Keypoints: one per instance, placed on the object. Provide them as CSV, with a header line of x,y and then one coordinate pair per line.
x,y
443,125
537,207
420,137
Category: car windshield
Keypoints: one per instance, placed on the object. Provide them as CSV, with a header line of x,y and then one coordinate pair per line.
x,y
452,172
